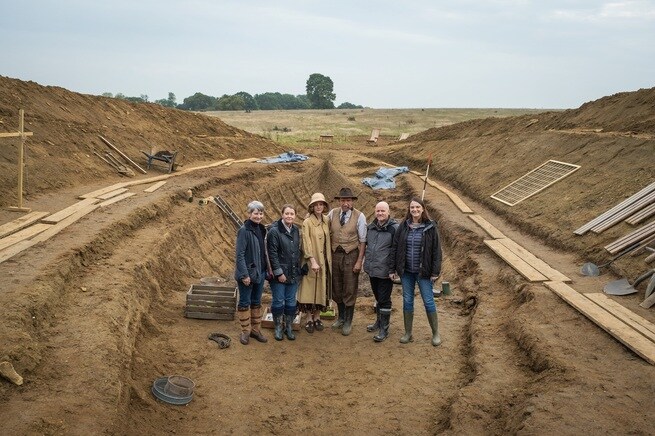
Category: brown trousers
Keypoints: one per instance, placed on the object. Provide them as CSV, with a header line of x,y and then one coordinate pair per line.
x,y
345,283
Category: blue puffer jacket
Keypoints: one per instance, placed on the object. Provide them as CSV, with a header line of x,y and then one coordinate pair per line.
x,y
430,250
249,255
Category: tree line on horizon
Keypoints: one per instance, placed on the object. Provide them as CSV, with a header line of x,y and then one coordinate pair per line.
x,y
319,95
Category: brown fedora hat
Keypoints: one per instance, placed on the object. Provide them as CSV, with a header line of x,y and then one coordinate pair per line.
x,y
345,193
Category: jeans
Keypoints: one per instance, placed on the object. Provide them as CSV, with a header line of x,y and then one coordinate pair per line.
x,y
284,296
408,281
250,295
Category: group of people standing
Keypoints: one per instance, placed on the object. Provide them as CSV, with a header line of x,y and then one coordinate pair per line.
x,y
320,261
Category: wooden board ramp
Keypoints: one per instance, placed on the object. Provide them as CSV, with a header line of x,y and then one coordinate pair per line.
x,y
61,225
64,213
111,194
19,247
487,226
642,325
453,197
20,223
534,261
23,234
101,191
642,346
154,187
116,199
521,266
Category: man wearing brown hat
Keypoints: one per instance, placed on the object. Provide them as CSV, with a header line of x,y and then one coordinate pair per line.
x,y
348,240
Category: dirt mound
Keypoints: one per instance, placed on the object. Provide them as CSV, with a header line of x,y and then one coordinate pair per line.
x,y
482,156
66,126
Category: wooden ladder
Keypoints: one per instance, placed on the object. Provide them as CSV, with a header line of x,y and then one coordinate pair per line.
x,y
228,211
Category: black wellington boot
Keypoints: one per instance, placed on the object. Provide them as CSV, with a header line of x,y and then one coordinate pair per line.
x,y
341,308
348,323
376,325
277,320
385,320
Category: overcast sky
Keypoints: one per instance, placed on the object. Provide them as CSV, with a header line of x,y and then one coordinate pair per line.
x,y
381,54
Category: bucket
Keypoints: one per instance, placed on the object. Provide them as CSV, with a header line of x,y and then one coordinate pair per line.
x,y
445,288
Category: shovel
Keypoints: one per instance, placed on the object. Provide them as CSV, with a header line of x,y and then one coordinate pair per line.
x,y
593,270
623,287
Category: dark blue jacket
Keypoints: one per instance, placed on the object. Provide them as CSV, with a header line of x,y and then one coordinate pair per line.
x,y
249,255
430,250
284,251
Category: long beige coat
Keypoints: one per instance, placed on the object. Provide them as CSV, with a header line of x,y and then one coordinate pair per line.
x,y
316,288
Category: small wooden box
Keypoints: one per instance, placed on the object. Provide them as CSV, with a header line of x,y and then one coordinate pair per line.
x,y
211,302
267,320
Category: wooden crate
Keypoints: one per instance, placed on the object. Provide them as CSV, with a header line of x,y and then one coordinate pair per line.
x,y
211,302
267,320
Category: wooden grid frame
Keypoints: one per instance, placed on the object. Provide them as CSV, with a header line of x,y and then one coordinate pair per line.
x,y
533,182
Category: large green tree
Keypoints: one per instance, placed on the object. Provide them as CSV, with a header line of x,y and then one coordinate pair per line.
x,y
198,102
320,91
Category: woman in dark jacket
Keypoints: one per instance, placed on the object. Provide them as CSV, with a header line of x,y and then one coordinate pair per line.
x,y
417,254
250,273
283,243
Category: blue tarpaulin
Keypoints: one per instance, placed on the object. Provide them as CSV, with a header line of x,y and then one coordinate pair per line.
x,y
289,156
384,178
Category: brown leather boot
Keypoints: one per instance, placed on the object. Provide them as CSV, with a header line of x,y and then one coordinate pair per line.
x,y
243,313
255,323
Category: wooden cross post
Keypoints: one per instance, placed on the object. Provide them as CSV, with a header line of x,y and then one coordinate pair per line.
x,y
22,134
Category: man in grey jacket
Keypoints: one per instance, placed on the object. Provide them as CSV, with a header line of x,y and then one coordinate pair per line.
x,y
378,264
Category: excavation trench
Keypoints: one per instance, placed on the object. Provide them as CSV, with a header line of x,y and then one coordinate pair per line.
x,y
119,306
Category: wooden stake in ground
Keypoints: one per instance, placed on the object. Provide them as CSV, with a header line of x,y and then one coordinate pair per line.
x,y
425,181
21,165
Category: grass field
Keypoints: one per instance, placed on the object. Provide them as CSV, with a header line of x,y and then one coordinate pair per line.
x,y
304,126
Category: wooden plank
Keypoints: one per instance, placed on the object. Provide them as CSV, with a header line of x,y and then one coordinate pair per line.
x,y
247,160
123,155
642,215
22,222
453,197
648,302
116,199
625,213
642,247
606,215
635,321
625,334
204,315
487,227
629,239
64,213
23,234
210,309
534,261
111,194
515,261
154,187
10,252
61,225
15,134
102,191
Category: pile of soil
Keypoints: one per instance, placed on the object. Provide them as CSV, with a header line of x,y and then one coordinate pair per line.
x,y
91,317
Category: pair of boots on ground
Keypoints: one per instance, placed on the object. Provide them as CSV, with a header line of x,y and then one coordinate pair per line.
x,y
250,319
344,320
283,321
382,325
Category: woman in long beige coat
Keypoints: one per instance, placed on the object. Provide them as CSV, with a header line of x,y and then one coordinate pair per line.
x,y
316,286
